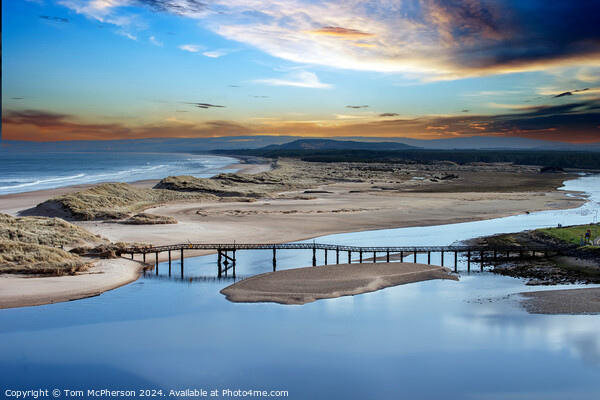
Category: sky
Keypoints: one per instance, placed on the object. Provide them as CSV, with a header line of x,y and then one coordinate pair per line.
x,y
427,69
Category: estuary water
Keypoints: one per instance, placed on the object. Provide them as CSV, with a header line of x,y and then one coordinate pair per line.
x,y
430,340
25,171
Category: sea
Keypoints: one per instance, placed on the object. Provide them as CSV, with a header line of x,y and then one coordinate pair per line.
x,y
26,171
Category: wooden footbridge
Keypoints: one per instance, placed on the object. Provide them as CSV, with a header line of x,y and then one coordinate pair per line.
x,y
226,253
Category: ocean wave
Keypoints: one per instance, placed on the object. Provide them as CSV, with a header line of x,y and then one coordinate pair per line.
x,y
26,183
97,169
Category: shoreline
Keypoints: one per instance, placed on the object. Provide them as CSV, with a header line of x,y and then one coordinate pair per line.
x,y
576,301
305,285
13,203
19,291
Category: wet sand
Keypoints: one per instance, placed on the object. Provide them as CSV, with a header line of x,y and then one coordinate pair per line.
x,y
305,285
565,301
21,291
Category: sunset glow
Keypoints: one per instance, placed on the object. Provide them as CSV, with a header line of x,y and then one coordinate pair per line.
x,y
119,69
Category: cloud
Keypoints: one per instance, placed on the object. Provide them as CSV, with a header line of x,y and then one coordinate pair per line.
x,y
389,115
204,105
36,125
572,122
563,94
363,106
344,33
44,125
192,48
434,39
155,42
216,53
57,19
430,39
127,35
303,79
187,8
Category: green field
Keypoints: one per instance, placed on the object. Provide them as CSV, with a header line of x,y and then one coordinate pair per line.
x,y
571,234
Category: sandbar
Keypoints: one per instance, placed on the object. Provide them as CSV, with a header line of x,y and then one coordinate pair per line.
x,y
564,301
305,285
20,291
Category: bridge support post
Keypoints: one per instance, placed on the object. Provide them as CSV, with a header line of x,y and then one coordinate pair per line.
x,y
325,256
274,259
337,255
314,256
169,262
233,261
132,256
401,256
455,261
219,271
442,258
374,257
469,261
481,255
349,257
182,263
360,257
415,256
428,257
387,256
144,256
227,258
156,263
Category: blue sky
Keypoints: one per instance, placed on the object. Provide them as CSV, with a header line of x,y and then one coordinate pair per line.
x,y
108,69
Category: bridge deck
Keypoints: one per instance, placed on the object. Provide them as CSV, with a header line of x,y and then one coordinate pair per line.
x,y
333,247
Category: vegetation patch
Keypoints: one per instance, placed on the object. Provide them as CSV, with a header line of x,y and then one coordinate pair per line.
x,y
110,201
53,232
149,219
572,235
31,258
35,245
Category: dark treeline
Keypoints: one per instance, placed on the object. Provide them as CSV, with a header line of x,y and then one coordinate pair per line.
x,y
558,159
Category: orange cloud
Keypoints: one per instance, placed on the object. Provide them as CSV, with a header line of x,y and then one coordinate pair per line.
x,y
340,32
41,126
574,122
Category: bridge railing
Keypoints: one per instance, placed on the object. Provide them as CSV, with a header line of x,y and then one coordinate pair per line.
x,y
333,247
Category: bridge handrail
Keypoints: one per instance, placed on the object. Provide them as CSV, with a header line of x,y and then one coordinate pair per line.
x,y
322,246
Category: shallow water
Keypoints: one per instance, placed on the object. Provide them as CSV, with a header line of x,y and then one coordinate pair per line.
x,y
428,340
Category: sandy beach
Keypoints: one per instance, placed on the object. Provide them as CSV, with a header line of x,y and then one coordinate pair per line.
x,y
305,285
335,206
20,291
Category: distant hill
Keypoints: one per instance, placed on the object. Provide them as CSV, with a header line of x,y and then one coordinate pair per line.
x,y
330,144
498,143
199,145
